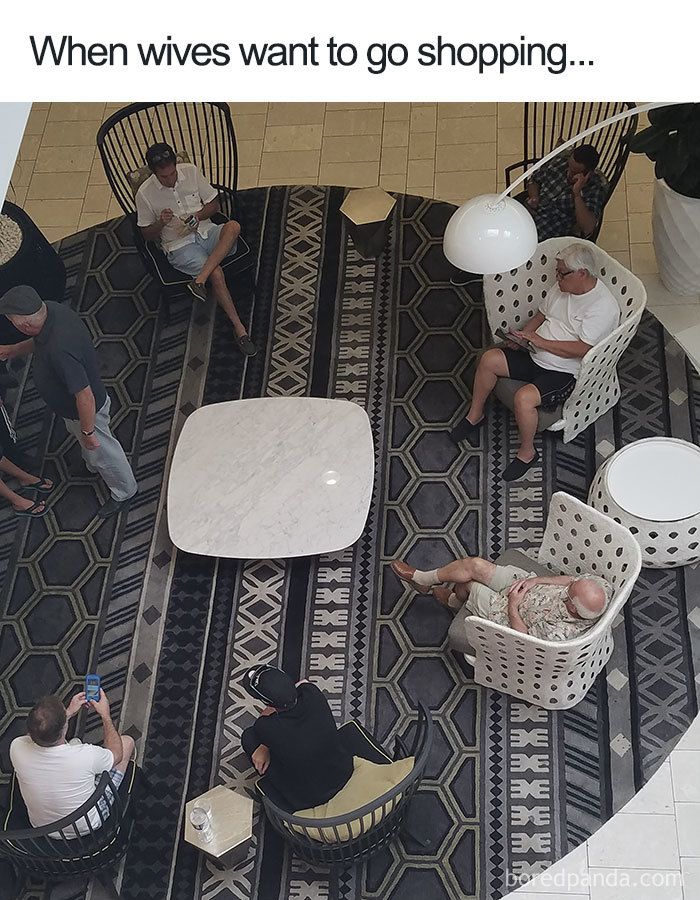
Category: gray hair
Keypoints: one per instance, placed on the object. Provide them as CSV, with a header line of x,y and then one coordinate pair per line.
x,y
578,256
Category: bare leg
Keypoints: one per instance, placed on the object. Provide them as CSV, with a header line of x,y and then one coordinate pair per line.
x,y
464,571
17,501
492,366
227,238
129,749
223,297
9,468
527,399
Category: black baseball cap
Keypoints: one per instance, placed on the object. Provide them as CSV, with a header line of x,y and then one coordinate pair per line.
x,y
21,300
271,685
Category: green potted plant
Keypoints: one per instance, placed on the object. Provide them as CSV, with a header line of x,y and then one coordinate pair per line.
x,y
672,143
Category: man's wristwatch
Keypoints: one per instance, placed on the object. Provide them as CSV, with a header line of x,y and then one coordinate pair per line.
x,y
89,433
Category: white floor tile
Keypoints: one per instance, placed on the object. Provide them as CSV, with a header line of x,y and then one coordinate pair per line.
x,y
656,796
688,822
635,884
689,339
691,739
635,841
677,317
685,772
567,876
658,295
690,869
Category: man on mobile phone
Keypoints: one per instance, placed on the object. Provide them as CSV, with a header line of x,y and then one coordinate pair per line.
x,y
174,208
577,313
56,776
567,195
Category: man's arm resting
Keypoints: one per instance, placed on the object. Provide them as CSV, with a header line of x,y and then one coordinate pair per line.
x,y
565,349
209,209
555,579
85,403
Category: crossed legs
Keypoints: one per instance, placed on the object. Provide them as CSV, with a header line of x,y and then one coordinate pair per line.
x,y
213,273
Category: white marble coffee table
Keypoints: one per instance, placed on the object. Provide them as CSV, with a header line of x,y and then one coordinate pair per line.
x,y
273,477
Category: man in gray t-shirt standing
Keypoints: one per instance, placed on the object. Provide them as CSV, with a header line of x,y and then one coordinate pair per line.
x,y
66,375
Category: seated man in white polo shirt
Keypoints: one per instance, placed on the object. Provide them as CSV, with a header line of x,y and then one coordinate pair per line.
x,y
174,207
56,777
578,312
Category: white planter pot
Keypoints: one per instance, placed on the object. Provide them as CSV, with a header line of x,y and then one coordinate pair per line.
x,y
676,227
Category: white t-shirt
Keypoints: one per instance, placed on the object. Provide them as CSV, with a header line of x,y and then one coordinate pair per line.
x,y
588,317
192,191
55,781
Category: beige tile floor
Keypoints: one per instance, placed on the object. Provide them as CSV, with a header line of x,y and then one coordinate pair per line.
x,y
450,151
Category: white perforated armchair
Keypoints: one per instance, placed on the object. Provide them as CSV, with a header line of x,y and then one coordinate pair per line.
x,y
512,298
555,674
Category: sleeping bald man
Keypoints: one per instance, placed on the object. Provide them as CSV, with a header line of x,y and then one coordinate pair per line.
x,y
553,608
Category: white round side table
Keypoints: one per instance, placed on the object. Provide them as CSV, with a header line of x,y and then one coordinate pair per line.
x,y
652,487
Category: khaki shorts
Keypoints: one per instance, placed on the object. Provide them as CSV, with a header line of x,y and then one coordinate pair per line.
x,y
481,596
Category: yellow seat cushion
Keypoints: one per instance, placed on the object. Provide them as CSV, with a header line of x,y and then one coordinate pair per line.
x,y
367,783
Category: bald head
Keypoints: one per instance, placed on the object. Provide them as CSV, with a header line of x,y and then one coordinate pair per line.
x,y
588,598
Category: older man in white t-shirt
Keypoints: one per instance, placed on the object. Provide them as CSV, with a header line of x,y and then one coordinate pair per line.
x,y
56,777
174,207
577,313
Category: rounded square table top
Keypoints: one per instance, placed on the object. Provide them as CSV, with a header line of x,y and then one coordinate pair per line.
x,y
231,820
271,477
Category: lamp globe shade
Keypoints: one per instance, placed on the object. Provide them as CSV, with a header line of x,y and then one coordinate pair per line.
x,y
490,234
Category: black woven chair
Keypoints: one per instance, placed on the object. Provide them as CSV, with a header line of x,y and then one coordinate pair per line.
x,y
73,845
348,839
547,125
202,131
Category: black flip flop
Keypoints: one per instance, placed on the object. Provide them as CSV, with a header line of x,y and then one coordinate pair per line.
x,y
33,512
41,487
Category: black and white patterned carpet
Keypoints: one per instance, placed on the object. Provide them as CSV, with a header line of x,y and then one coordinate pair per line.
x,y
509,788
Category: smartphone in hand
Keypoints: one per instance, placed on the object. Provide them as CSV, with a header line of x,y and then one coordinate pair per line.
x,y
92,687
514,339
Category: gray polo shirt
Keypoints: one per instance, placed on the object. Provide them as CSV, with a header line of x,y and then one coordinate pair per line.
x,y
65,361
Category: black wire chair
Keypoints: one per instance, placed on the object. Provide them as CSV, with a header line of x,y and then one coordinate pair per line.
x,y
203,132
75,845
342,841
547,125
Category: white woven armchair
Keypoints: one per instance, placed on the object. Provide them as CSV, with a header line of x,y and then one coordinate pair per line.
x,y
555,674
513,297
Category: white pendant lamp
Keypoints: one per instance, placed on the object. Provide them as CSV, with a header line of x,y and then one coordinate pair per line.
x,y
494,233
490,234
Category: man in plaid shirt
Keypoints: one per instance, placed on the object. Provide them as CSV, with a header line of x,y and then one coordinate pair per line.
x,y
567,195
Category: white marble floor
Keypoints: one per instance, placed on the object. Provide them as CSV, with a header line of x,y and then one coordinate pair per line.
x,y
650,850
680,316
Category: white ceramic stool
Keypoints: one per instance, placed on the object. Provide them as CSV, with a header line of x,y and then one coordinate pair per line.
x,y
653,487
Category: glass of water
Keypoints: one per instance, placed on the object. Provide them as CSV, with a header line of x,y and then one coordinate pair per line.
x,y
200,818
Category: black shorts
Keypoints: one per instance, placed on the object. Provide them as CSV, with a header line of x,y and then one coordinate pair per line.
x,y
554,387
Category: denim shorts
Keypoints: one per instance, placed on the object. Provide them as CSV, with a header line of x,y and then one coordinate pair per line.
x,y
191,257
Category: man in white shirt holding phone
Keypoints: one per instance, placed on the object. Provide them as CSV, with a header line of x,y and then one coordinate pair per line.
x,y
577,313
56,776
174,208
